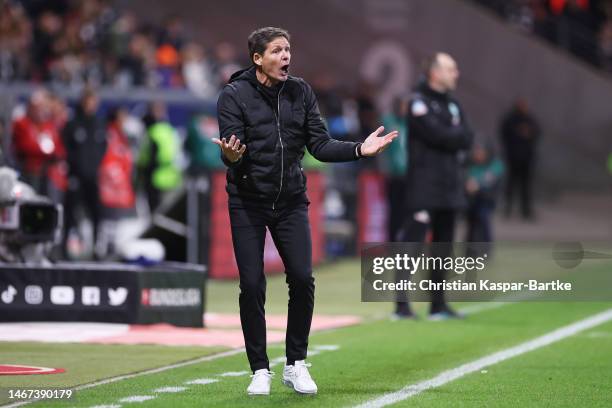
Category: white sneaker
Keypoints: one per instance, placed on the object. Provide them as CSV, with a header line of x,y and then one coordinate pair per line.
x,y
260,384
298,378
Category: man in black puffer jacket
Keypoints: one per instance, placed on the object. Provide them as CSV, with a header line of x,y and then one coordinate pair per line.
x,y
266,120
438,137
269,172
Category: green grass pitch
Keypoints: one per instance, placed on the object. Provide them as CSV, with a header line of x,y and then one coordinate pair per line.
x,y
376,357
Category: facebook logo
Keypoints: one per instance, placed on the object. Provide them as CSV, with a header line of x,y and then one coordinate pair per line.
x,y
90,295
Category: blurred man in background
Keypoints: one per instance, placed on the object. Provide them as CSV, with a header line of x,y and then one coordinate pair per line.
x,y
115,180
159,155
38,148
520,132
6,158
484,174
85,139
395,165
439,135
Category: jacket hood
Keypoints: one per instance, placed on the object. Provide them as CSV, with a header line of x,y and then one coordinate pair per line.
x,y
424,87
247,74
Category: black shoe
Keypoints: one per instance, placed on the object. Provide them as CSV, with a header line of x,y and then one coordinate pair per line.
x,y
404,316
444,313
403,312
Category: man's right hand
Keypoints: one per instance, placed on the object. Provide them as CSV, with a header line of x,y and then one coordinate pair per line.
x,y
232,150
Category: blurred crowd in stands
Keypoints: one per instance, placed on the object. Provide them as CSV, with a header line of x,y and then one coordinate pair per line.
x,y
90,163
71,43
583,27
95,159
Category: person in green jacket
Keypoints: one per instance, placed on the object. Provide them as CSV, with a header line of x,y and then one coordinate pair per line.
x,y
159,155
395,165
202,151
484,175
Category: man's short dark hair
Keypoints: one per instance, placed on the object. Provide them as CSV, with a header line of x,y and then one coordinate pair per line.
x,y
429,62
86,93
260,38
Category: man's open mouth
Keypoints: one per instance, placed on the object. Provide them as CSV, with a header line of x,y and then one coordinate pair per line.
x,y
285,69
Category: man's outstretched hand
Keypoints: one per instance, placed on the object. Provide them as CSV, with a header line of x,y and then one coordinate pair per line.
x,y
375,144
232,150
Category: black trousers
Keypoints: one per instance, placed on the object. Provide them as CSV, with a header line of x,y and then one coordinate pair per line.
x,y
520,177
290,231
83,193
395,198
442,224
479,222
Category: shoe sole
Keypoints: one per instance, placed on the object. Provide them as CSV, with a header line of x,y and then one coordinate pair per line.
x,y
258,393
290,385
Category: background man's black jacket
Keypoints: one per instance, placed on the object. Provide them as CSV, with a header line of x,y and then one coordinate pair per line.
x,y
276,133
85,139
437,134
520,134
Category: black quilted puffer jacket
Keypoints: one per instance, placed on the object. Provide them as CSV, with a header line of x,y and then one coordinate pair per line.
x,y
276,130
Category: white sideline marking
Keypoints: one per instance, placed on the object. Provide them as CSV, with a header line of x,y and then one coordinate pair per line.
x,y
170,389
326,347
202,381
141,373
276,361
137,398
477,365
161,369
476,309
311,353
107,406
234,374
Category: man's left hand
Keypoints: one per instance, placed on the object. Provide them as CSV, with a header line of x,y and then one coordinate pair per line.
x,y
375,144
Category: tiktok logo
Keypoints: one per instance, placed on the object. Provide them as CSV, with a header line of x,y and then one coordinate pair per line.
x,y
9,294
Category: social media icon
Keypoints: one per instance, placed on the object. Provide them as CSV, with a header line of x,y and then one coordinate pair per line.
x,y
33,294
116,297
62,295
90,295
8,295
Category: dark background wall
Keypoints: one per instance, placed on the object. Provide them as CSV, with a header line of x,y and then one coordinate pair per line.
x,y
384,40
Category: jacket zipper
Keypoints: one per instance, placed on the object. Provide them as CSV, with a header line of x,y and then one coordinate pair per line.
x,y
277,115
